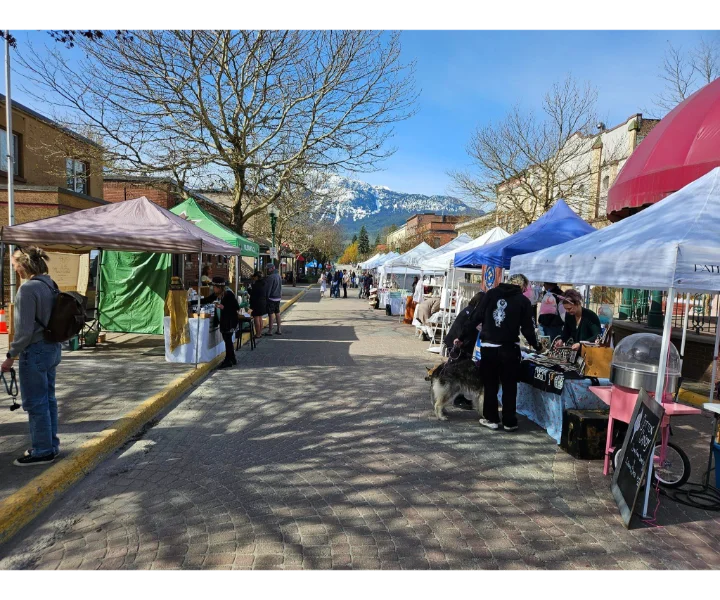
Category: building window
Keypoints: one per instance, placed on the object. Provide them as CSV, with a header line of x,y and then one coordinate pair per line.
x,y
4,152
76,172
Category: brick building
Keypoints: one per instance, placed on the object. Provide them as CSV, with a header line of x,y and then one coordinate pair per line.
x,y
432,228
56,171
160,191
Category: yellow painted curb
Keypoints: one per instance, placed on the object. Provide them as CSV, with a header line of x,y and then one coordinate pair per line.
x,y
18,509
692,398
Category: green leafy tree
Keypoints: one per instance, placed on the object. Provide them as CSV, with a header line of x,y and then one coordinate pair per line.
x,y
363,242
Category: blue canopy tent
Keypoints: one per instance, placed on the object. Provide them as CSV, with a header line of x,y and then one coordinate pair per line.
x,y
559,224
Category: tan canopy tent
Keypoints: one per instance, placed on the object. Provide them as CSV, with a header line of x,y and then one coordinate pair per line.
x,y
134,226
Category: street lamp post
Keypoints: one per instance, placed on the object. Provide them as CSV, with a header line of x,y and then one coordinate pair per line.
x,y
273,212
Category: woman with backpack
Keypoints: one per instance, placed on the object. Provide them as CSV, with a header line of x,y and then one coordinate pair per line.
x,y
38,358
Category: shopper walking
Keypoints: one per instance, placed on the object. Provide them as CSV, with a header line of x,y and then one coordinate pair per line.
x,y
503,313
273,287
323,285
39,359
345,282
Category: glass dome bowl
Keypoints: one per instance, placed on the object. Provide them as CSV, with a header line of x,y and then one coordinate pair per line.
x,y
636,359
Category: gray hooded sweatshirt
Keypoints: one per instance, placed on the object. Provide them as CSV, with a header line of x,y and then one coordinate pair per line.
x,y
34,302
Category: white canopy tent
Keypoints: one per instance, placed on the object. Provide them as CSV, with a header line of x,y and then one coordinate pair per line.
x,y
431,263
405,264
364,264
672,245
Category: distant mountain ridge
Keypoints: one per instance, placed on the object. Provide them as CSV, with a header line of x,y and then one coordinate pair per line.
x,y
356,203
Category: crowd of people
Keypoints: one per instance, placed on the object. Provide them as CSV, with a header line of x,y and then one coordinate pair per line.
x,y
341,279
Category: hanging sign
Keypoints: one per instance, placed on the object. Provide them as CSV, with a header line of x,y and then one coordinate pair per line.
x,y
490,277
273,253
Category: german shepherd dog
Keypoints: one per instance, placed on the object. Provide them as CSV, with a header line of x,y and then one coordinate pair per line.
x,y
451,379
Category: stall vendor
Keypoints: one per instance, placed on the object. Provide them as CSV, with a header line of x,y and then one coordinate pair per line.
x,y
228,306
581,324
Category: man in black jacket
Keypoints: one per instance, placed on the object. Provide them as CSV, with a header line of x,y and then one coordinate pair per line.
x,y
228,306
504,312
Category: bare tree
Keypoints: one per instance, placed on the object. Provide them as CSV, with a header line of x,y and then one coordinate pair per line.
x,y
248,109
529,159
686,71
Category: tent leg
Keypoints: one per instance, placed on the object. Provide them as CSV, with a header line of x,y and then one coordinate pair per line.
x,y
237,274
443,290
197,339
98,287
660,385
715,362
684,331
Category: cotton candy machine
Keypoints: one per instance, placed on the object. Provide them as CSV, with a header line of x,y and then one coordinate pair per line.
x,y
635,363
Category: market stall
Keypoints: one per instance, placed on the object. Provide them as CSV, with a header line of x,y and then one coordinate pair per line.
x,y
548,387
672,245
133,226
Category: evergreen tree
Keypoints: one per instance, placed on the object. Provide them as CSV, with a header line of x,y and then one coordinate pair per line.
x,y
363,242
354,239
377,240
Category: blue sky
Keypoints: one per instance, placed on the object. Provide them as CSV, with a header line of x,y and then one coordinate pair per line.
x,y
470,78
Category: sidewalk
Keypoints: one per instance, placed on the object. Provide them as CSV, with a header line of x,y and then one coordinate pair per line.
x,y
95,388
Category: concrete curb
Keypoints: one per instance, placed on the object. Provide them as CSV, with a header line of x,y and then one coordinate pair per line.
x,y
19,509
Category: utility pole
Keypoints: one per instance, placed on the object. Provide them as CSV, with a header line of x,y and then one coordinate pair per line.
x,y
10,158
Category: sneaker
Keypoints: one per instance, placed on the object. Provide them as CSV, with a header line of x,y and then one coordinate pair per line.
x,y
28,452
29,460
489,424
513,428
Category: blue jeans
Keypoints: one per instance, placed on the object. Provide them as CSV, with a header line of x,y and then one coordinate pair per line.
x,y
38,364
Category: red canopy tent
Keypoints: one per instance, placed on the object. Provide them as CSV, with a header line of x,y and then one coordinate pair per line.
x,y
684,146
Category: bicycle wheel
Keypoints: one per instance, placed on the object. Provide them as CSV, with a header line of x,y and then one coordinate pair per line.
x,y
675,470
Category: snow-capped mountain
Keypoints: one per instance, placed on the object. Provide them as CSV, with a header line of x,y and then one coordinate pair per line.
x,y
352,204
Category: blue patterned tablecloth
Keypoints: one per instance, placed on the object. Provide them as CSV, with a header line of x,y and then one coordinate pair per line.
x,y
546,409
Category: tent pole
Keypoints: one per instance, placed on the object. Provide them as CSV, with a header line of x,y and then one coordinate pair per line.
x,y
684,331
237,274
660,384
98,286
715,362
197,339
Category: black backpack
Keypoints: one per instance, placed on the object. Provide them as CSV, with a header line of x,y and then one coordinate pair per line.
x,y
67,317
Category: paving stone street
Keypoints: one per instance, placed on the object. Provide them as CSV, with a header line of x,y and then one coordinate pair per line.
x,y
320,451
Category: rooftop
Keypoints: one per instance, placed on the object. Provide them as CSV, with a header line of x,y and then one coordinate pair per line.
x,y
36,115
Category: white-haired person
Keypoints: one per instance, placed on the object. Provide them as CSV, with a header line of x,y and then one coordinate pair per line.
x,y
503,313
38,359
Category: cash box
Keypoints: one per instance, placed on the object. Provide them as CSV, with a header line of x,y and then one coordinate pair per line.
x,y
584,433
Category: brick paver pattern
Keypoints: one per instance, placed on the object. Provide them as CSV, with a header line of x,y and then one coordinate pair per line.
x,y
320,451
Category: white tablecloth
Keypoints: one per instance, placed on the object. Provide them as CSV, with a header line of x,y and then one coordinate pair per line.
x,y
211,343
397,305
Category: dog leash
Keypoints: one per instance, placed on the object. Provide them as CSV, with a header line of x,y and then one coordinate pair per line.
x,y
11,388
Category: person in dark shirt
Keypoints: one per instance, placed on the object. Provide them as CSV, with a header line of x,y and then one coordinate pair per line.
x,y
504,313
258,302
581,324
228,321
463,332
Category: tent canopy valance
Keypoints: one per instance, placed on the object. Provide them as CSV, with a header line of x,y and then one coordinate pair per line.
x,y
133,225
444,261
673,243
560,224
193,212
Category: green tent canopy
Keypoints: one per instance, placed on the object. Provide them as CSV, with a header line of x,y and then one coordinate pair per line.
x,y
192,211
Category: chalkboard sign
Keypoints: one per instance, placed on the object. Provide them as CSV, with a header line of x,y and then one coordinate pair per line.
x,y
637,449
